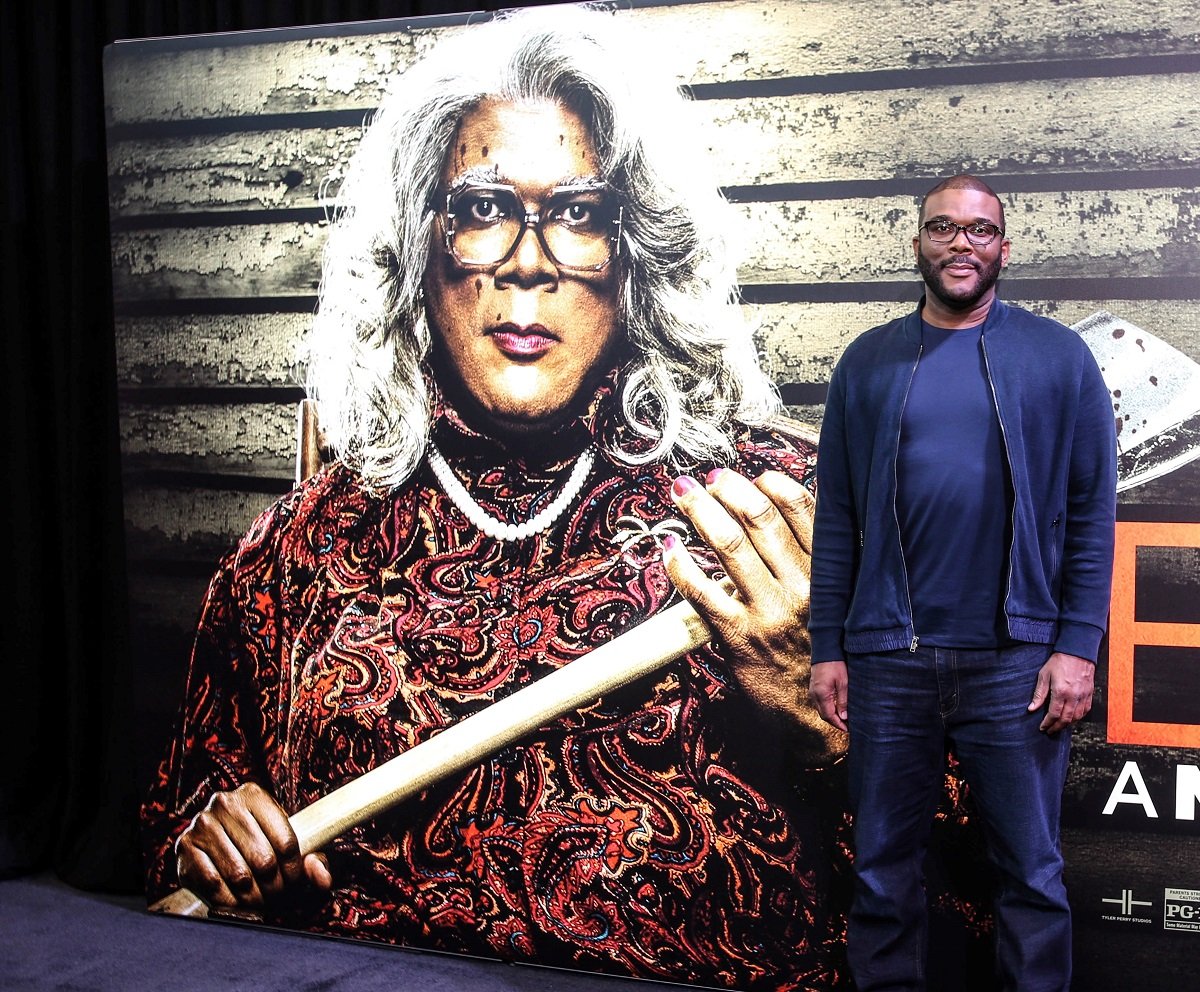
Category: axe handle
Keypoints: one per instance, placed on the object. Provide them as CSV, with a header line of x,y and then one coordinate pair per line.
x,y
647,647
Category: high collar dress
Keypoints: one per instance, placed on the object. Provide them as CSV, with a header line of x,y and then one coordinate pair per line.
x,y
666,831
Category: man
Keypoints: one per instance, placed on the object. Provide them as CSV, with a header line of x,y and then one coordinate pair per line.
x,y
961,570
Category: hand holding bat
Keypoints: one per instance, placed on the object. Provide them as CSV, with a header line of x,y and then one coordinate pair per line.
x,y
240,853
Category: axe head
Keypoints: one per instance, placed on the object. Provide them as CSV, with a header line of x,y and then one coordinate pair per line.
x,y
1155,394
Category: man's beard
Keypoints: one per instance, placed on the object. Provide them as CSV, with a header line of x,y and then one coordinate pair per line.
x,y
931,272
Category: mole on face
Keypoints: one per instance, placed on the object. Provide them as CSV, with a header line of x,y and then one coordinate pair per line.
x,y
525,348
1118,333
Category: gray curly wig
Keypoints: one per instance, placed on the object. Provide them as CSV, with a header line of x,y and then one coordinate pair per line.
x,y
694,377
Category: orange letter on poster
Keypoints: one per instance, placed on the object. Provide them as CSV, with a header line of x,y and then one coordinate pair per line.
x,y
1125,633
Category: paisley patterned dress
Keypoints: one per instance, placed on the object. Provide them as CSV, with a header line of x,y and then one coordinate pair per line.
x,y
667,831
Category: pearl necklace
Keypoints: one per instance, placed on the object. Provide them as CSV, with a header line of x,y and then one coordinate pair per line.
x,y
498,529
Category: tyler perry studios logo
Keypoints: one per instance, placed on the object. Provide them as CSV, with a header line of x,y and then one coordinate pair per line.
x,y
1129,909
1181,909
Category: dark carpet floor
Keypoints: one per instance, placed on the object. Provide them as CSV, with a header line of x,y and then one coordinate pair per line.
x,y
54,937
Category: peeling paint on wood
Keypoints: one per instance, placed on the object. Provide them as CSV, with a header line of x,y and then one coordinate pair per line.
x,y
732,41
1081,125
801,342
1145,233
200,525
144,83
755,40
208,350
189,524
1126,123
242,171
250,438
244,260
1141,232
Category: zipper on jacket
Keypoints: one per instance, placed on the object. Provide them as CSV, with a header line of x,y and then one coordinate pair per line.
x,y
896,489
1012,523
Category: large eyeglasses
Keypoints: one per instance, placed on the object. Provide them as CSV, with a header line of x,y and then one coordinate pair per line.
x,y
579,227
942,232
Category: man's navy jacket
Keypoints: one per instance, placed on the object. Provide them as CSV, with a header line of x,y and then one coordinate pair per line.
x,y
1058,426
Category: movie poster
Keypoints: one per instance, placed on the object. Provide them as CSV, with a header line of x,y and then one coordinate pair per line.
x,y
821,127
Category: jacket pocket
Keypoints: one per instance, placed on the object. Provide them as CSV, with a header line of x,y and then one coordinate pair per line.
x,y
1055,545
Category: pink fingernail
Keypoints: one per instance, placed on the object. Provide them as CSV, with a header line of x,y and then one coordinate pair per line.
x,y
684,485
669,542
712,476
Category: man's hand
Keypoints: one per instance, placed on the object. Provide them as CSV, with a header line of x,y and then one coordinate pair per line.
x,y
241,852
828,684
1068,682
761,532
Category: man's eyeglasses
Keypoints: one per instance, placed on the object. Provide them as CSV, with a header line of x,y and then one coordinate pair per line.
x,y
942,232
579,227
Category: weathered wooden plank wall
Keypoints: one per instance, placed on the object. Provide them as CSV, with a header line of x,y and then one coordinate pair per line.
x,y
825,120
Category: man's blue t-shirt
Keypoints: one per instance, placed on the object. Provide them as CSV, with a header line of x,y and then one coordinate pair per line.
x,y
953,495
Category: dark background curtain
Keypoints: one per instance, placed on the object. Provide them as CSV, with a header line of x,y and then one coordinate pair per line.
x,y
68,795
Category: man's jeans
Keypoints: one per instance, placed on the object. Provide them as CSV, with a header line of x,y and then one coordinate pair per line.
x,y
904,707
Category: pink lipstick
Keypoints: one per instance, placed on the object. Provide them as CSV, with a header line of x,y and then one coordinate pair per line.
x,y
523,342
